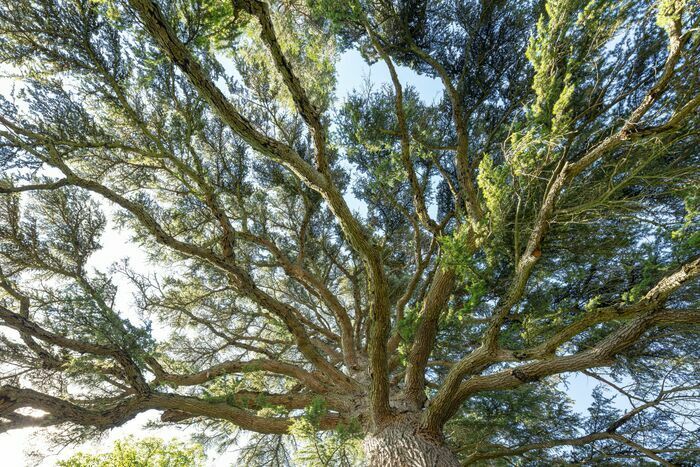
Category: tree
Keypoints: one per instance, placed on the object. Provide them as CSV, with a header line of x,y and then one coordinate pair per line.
x,y
537,221
147,452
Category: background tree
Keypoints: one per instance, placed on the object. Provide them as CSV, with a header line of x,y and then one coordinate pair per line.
x,y
539,220
147,452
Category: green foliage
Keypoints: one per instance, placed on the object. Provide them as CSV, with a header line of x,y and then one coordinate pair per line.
x,y
458,250
687,236
497,192
369,133
569,44
546,52
408,325
526,415
550,54
472,270
668,12
339,447
146,452
649,271
308,47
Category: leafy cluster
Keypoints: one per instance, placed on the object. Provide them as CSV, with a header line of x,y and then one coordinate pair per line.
x,y
146,452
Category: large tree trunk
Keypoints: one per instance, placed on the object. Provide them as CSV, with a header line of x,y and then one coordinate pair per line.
x,y
400,444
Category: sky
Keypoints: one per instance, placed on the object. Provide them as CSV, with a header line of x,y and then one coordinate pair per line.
x,y
353,73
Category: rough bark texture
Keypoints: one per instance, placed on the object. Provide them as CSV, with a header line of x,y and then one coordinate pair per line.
x,y
400,444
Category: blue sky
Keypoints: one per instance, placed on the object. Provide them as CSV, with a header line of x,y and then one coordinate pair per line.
x,y
353,71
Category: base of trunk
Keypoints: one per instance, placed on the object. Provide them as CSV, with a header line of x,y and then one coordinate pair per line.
x,y
399,444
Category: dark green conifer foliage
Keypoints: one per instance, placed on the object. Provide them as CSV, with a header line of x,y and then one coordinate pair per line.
x,y
536,223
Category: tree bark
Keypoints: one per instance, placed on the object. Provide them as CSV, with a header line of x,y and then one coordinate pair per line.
x,y
400,444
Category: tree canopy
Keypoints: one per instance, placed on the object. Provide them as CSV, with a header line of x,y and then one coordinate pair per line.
x,y
536,221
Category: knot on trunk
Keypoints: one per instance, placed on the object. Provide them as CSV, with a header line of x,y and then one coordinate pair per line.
x,y
524,377
174,416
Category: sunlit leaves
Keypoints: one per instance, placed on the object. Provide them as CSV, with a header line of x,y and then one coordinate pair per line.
x,y
339,447
146,452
